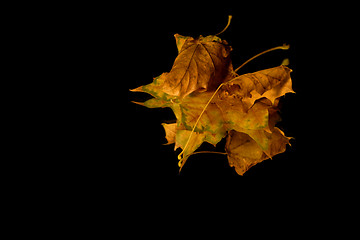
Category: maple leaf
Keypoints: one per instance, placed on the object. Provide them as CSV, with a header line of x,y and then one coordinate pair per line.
x,y
244,152
270,83
210,102
202,64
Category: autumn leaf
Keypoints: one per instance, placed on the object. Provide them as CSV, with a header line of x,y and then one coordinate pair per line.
x,y
202,65
270,83
211,102
244,152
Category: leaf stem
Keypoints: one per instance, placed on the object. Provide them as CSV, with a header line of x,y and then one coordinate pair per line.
x,y
229,21
283,47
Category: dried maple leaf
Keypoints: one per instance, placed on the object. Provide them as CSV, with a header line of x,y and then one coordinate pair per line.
x,y
244,152
210,102
202,65
270,83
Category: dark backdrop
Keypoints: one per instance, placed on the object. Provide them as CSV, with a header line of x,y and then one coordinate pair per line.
x,y
121,48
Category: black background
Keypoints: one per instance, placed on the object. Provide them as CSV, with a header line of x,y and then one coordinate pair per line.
x,y
115,49
155,54
96,144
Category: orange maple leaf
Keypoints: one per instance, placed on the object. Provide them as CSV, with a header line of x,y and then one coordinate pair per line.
x,y
202,65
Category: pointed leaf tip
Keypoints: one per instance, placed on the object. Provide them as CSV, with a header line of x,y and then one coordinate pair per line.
x,y
139,103
138,89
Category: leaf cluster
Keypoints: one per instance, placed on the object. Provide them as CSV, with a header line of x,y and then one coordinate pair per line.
x,y
211,102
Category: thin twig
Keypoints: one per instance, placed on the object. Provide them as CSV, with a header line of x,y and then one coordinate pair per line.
x,y
283,47
229,21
